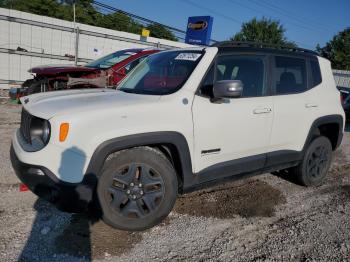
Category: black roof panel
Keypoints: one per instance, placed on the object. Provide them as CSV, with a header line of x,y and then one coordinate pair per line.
x,y
262,47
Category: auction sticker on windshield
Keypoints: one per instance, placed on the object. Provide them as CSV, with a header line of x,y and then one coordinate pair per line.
x,y
188,56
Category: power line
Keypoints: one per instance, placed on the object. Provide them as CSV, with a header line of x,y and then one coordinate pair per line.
x,y
301,18
142,23
287,14
229,17
212,11
149,21
145,21
259,11
181,33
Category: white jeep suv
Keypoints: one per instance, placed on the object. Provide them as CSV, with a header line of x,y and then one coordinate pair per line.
x,y
182,120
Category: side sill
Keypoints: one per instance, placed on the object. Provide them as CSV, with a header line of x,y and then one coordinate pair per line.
x,y
242,168
237,177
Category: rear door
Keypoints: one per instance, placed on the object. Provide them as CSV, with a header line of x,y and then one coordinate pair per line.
x,y
292,105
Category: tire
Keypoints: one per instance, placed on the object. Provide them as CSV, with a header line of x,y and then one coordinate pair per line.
x,y
314,167
34,88
28,83
137,189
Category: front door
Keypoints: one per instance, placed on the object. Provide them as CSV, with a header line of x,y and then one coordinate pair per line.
x,y
233,132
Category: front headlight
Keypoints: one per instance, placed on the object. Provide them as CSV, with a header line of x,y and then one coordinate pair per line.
x,y
40,130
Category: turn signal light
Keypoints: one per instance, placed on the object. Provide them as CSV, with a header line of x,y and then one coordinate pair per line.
x,y
64,129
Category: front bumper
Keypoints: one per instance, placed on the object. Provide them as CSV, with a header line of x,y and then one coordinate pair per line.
x,y
67,197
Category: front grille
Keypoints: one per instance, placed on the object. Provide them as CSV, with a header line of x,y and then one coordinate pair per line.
x,y
26,120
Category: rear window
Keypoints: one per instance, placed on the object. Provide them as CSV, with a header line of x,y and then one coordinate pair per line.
x,y
111,59
315,73
289,75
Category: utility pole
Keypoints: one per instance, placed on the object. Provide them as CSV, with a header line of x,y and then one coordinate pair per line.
x,y
76,31
74,14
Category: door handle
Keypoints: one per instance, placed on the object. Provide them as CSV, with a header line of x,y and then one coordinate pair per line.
x,y
262,110
310,105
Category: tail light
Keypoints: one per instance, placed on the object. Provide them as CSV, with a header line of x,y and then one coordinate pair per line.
x,y
23,188
341,98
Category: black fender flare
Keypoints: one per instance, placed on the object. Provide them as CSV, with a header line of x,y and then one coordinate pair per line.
x,y
329,119
144,139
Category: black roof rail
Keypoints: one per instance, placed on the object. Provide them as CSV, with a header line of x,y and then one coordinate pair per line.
x,y
263,45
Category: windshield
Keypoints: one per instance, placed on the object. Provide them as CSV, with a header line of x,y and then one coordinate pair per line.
x,y
111,59
162,73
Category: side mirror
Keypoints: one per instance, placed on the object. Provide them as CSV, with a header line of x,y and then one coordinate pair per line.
x,y
228,89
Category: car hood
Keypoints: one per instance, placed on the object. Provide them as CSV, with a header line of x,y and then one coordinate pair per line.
x,y
54,69
49,104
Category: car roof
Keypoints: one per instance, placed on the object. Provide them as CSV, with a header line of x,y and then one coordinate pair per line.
x,y
139,50
253,47
134,50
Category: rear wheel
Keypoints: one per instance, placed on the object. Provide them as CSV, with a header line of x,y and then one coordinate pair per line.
x,y
313,169
137,189
38,86
28,83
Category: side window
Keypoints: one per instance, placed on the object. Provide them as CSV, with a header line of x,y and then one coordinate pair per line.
x,y
248,69
315,73
289,75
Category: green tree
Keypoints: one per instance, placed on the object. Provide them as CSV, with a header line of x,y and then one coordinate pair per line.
x,y
39,7
337,50
263,31
160,31
121,22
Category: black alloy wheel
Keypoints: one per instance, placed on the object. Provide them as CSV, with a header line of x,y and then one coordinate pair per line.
x,y
137,188
314,167
317,161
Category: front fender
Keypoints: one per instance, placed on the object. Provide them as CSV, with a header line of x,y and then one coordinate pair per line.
x,y
144,139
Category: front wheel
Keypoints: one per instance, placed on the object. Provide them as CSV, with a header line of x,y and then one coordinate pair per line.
x,y
314,167
137,189
35,87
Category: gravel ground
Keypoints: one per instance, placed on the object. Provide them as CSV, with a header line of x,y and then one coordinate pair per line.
x,y
256,219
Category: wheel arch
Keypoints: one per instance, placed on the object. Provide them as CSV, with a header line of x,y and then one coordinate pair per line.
x,y
173,144
330,126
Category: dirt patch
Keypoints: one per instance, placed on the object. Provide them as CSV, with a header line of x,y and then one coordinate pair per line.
x,y
252,199
340,170
344,193
115,242
94,239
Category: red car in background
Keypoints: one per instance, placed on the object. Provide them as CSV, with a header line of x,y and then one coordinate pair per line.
x,y
107,71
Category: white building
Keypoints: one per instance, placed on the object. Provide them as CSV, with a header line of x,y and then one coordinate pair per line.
x,y
29,40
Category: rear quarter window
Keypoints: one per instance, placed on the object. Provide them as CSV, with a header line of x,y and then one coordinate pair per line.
x,y
315,73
